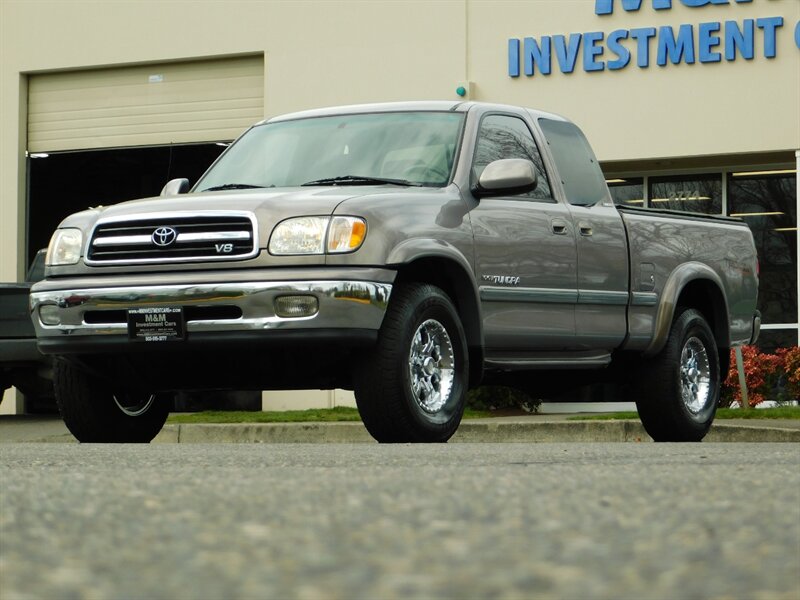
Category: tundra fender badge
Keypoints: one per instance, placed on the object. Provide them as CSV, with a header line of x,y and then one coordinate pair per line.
x,y
502,279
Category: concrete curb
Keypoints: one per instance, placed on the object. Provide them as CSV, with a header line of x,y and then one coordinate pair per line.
x,y
478,431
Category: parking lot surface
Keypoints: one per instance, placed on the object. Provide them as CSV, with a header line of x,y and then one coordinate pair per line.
x,y
369,521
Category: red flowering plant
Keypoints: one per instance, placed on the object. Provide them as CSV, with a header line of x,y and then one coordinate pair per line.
x,y
768,376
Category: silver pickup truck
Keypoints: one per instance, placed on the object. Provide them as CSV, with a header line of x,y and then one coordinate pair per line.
x,y
407,251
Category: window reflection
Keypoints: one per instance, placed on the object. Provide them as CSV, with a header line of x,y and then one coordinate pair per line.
x,y
695,193
502,137
628,191
772,339
768,204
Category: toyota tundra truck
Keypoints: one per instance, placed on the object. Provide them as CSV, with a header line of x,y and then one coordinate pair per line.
x,y
406,251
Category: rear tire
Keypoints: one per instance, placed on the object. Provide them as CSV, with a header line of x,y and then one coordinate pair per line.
x,y
678,390
93,413
412,388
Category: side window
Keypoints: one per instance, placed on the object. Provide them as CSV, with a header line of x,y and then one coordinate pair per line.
x,y
501,136
584,183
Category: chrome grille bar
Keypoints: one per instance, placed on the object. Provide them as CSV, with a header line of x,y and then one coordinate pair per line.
x,y
196,237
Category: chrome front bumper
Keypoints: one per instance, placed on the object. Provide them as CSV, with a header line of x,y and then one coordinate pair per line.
x,y
217,307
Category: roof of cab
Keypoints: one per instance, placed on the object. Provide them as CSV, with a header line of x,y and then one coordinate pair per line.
x,y
424,105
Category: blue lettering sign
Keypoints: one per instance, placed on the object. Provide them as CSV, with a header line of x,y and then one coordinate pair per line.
x,y
592,49
797,34
567,54
537,55
706,42
699,3
606,7
513,57
642,36
739,39
676,48
769,25
673,44
615,47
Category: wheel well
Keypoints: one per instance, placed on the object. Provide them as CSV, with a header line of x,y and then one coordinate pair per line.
x,y
457,284
704,296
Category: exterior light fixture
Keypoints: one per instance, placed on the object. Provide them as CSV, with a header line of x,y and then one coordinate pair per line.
x,y
680,199
756,214
757,173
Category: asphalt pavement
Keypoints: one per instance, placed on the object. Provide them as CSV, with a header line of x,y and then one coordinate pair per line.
x,y
527,428
351,521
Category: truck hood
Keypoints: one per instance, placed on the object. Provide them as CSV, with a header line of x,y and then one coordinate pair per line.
x,y
270,207
288,201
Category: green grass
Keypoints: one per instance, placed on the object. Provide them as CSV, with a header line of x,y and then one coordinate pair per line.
x,y
779,412
340,413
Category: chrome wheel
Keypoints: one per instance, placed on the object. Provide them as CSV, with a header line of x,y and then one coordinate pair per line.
x,y
431,366
134,405
695,375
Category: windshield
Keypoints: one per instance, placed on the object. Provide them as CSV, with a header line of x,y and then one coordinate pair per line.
x,y
404,148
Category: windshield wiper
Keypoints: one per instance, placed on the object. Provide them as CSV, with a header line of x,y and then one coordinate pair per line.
x,y
360,180
232,186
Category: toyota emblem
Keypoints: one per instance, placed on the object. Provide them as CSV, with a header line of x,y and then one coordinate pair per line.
x,y
164,236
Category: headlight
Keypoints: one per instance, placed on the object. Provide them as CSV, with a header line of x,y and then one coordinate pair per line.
x,y
317,235
65,247
305,235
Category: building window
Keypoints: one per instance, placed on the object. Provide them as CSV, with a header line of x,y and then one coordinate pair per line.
x,y
628,191
768,204
767,201
693,193
772,339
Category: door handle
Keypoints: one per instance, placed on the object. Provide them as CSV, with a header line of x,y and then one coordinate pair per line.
x,y
559,227
585,228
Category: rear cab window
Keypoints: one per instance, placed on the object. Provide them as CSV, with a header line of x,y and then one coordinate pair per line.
x,y
581,176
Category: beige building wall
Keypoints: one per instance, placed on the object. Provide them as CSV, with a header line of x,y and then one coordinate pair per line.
x,y
634,113
330,52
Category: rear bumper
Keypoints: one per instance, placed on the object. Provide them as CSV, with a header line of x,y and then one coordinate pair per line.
x,y
94,319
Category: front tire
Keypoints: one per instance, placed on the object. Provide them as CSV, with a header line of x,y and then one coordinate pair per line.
x,y
94,413
678,390
412,388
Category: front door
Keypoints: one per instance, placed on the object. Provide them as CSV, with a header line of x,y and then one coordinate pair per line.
x,y
525,253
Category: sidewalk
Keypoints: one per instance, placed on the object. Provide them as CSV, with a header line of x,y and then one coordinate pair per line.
x,y
526,429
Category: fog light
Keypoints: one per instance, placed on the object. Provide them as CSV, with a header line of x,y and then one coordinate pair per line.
x,y
48,314
296,306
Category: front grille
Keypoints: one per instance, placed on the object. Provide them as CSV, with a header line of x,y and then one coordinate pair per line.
x,y
173,238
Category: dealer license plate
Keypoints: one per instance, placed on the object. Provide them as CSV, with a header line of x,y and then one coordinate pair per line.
x,y
156,324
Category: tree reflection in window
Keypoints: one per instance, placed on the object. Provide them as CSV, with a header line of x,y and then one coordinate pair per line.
x,y
502,136
627,192
700,193
768,204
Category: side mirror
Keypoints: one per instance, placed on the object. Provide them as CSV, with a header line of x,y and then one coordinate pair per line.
x,y
175,187
508,176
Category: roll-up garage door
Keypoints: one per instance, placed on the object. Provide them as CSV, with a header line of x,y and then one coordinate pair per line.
x,y
169,103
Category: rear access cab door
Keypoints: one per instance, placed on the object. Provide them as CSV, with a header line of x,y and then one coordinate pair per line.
x,y
602,244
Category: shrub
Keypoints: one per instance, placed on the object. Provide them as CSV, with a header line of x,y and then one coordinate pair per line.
x,y
791,367
768,377
498,397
